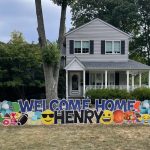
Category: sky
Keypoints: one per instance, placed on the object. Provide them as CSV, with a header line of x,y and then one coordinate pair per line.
x,y
20,15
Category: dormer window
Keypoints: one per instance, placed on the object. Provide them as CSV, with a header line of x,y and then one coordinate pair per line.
x,y
113,47
82,47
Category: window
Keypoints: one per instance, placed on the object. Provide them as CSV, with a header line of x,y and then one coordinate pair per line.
x,y
113,47
77,46
117,47
108,48
85,46
82,47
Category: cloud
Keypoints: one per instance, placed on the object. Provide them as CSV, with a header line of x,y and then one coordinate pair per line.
x,y
20,15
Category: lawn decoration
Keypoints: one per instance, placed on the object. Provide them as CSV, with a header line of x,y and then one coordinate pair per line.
x,y
37,112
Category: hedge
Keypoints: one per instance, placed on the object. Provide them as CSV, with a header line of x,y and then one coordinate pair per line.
x,y
141,94
138,94
107,94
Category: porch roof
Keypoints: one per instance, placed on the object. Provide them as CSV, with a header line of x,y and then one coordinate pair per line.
x,y
129,65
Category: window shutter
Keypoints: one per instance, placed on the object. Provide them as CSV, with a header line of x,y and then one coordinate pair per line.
x,y
71,43
116,78
91,47
87,78
103,47
122,47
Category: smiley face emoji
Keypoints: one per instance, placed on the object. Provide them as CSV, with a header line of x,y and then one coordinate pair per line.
x,y
47,117
107,117
146,119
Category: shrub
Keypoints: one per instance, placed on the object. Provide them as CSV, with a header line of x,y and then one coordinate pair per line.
x,y
51,54
141,94
107,94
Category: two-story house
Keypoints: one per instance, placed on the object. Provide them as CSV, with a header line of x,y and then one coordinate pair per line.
x,y
97,57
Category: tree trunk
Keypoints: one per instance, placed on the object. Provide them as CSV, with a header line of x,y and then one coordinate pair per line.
x,y
62,24
50,82
40,29
51,73
61,38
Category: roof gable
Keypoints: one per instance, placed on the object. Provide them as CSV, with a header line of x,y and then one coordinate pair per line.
x,y
75,64
101,21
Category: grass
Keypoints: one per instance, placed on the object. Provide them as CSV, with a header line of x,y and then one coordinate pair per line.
x,y
75,137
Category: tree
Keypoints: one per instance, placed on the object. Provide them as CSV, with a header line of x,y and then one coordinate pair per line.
x,y
63,4
144,11
131,16
20,69
17,37
50,72
123,14
140,44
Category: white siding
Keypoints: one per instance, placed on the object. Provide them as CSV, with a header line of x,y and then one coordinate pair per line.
x,y
75,66
97,31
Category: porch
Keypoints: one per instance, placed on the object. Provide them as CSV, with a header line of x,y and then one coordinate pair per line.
x,y
115,80
78,82
82,76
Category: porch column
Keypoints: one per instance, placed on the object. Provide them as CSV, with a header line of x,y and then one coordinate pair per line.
x,y
127,80
140,77
132,82
66,84
149,79
83,83
105,79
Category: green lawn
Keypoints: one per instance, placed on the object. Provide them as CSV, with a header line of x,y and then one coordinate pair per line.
x,y
75,137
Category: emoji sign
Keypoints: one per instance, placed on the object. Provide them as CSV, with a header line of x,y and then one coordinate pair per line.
x,y
146,119
108,111
107,117
118,116
47,117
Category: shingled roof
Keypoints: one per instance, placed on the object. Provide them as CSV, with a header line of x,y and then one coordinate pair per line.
x,y
131,64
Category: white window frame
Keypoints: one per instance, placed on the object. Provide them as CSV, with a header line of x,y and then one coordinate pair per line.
x,y
81,46
113,41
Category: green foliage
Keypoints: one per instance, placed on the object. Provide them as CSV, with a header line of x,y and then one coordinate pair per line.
x,y
20,66
17,38
144,11
138,94
141,93
51,55
136,50
107,94
61,2
123,14
128,15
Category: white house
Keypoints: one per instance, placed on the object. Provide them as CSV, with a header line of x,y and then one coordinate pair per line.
x,y
97,57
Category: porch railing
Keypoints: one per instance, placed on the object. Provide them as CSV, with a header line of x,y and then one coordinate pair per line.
x,y
88,87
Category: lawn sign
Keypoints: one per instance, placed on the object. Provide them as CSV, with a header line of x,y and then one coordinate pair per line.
x,y
42,112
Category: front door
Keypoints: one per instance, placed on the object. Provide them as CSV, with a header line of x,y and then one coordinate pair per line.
x,y
75,84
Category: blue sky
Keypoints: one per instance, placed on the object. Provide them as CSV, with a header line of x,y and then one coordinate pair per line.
x,y
20,15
